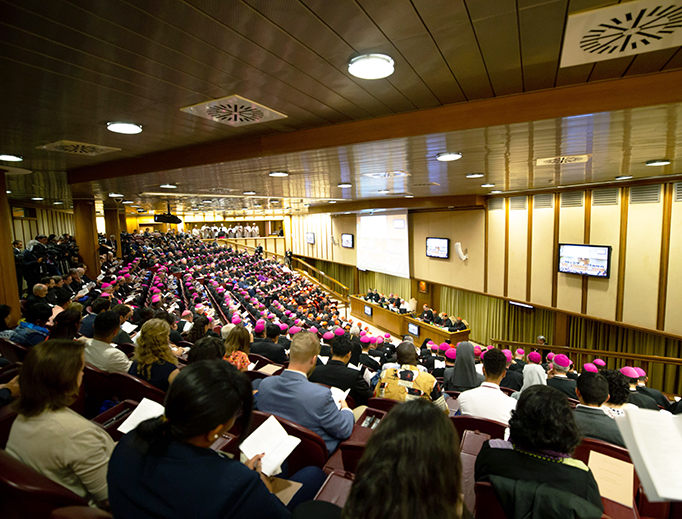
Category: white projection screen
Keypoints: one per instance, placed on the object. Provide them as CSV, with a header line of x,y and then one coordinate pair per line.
x,y
382,244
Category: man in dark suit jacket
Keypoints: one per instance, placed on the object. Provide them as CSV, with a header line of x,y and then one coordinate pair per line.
x,y
426,315
99,305
268,347
593,390
560,381
639,399
513,379
658,397
336,373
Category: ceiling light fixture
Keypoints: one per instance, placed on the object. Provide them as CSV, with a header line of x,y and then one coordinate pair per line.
x,y
205,201
448,156
496,192
8,192
256,205
37,198
115,195
409,196
658,162
279,174
623,177
249,192
126,128
475,175
11,158
57,203
383,191
371,66
332,201
168,186
344,185
127,202
487,185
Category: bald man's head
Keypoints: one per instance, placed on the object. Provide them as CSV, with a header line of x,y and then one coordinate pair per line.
x,y
406,353
40,290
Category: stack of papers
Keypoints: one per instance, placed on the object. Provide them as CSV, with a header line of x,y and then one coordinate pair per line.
x,y
272,440
144,411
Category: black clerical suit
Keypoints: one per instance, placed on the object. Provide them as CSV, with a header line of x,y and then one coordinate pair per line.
x,y
512,380
336,374
658,397
268,349
426,315
563,384
642,401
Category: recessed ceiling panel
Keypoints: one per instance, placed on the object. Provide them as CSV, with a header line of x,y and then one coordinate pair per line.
x,y
234,110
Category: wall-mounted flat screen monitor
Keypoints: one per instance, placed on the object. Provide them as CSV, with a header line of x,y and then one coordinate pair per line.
x,y
585,260
310,238
413,329
368,310
347,241
438,248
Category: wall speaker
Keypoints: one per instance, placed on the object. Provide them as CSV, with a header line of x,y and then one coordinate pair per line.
x,y
461,254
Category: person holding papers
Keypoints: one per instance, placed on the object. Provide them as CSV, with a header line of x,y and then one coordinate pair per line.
x,y
291,396
99,352
165,468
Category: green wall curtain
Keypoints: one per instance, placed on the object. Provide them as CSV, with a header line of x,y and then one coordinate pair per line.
x,y
337,271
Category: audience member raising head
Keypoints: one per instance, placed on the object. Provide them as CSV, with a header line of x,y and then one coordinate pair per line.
x,y
50,437
154,361
199,329
206,348
237,347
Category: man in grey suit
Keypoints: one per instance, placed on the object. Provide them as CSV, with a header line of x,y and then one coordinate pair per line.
x,y
593,390
291,396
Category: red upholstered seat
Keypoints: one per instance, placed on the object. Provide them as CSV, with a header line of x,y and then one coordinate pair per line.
x,y
471,423
470,446
259,360
111,419
129,387
7,416
487,505
98,388
79,512
336,488
25,493
127,348
12,351
507,391
385,404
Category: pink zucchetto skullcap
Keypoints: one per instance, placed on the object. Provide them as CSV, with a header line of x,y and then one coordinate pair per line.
x,y
380,340
199,307
629,372
373,340
210,320
236,319
260,321
590,367
264,312
562,360
328,336
444,346
105,285
120,278
156,291
640,372
126,276
433,346
535,357
313,329
477,351
550,355
287,312
186,313
271,316
364,339
520,352
283,327
363,333
294,330
339,332
259,327
598,362
451,353
387,336
550,366
508,355
156,299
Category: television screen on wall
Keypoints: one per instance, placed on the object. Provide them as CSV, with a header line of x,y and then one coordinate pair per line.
x,y
413,329
347,241
368,311
585,260
438,248
310,238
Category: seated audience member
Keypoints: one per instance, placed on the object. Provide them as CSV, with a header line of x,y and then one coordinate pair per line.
x,y
99,305
200,329
47,435
639,399
38,295
464,376
125,313
62,301
9,391
407,382
415,431
268,347
67,323
174,336
292,396
206,348
619,392
225,330
99,352
560,379
185,321
487,401
165,468
518,363
658,397
366,359
593,390
154,360
513,379
32,331
533,375
5,320
237,347
543,435
336,372
49,282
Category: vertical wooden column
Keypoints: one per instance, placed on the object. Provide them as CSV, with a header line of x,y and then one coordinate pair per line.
x,y
113,226
123,223
9,290
85,226
560,329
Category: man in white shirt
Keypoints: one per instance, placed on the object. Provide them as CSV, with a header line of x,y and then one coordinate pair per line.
x,y
99,352
487,401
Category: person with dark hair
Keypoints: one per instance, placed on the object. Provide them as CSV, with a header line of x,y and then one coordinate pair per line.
x,y
62,301
143,315
639,399
32,331
124,313
593,390
174,336
99,352
205,401
47,435
268,347
199,330
336,372
206,348
237,347
487,400
99,305
414,447
17,246
67,323
619,392
5,320
536,461
407,382
464,375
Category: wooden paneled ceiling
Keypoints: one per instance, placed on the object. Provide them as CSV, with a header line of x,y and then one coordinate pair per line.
x,y
68,67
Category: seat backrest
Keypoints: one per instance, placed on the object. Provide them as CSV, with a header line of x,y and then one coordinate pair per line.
x,y
111,419
9,372
7,416
351,452
385,404
24,492
472,423
184,344
12,351
98,388
507,391
336,488
255,375
80,512
470,446
259,360
126,348
487,504
129,387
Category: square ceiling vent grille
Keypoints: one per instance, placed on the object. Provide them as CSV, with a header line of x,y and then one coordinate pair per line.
x,y
234,110
77,148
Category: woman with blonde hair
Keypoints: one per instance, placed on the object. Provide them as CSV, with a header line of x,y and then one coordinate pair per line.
x,y
237,347
154,360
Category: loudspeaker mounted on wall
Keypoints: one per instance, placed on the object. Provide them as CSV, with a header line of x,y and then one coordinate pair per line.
x,y
461,254
334,242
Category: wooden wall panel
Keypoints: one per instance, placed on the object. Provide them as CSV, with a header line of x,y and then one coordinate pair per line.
x,y
673,309
518,253
542,265
604,230
569,286
496,246
642,264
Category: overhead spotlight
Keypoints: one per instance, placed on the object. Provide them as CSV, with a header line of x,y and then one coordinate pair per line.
x,y
448,156
37,198
168,186
279,174
126,128
11,158
8,192
127,202
371,66
344,185
623,177
57,203
475,175
383,191
332,201
495,192
115,195
487,185
409,196
658,162
249,192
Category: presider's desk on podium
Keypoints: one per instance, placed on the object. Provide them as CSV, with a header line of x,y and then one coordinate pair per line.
x,y
402,324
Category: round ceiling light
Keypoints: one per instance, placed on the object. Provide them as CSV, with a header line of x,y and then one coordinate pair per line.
x,y
127,202
37,198
496,192
249,192
344,185
126,128
279,174
658,162
115,195
57,203
448,156
11,158
475,175
371,66
168,186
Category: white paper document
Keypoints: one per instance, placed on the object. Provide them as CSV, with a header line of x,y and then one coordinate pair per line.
x,y
147,409
128,327
339,395
272,440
